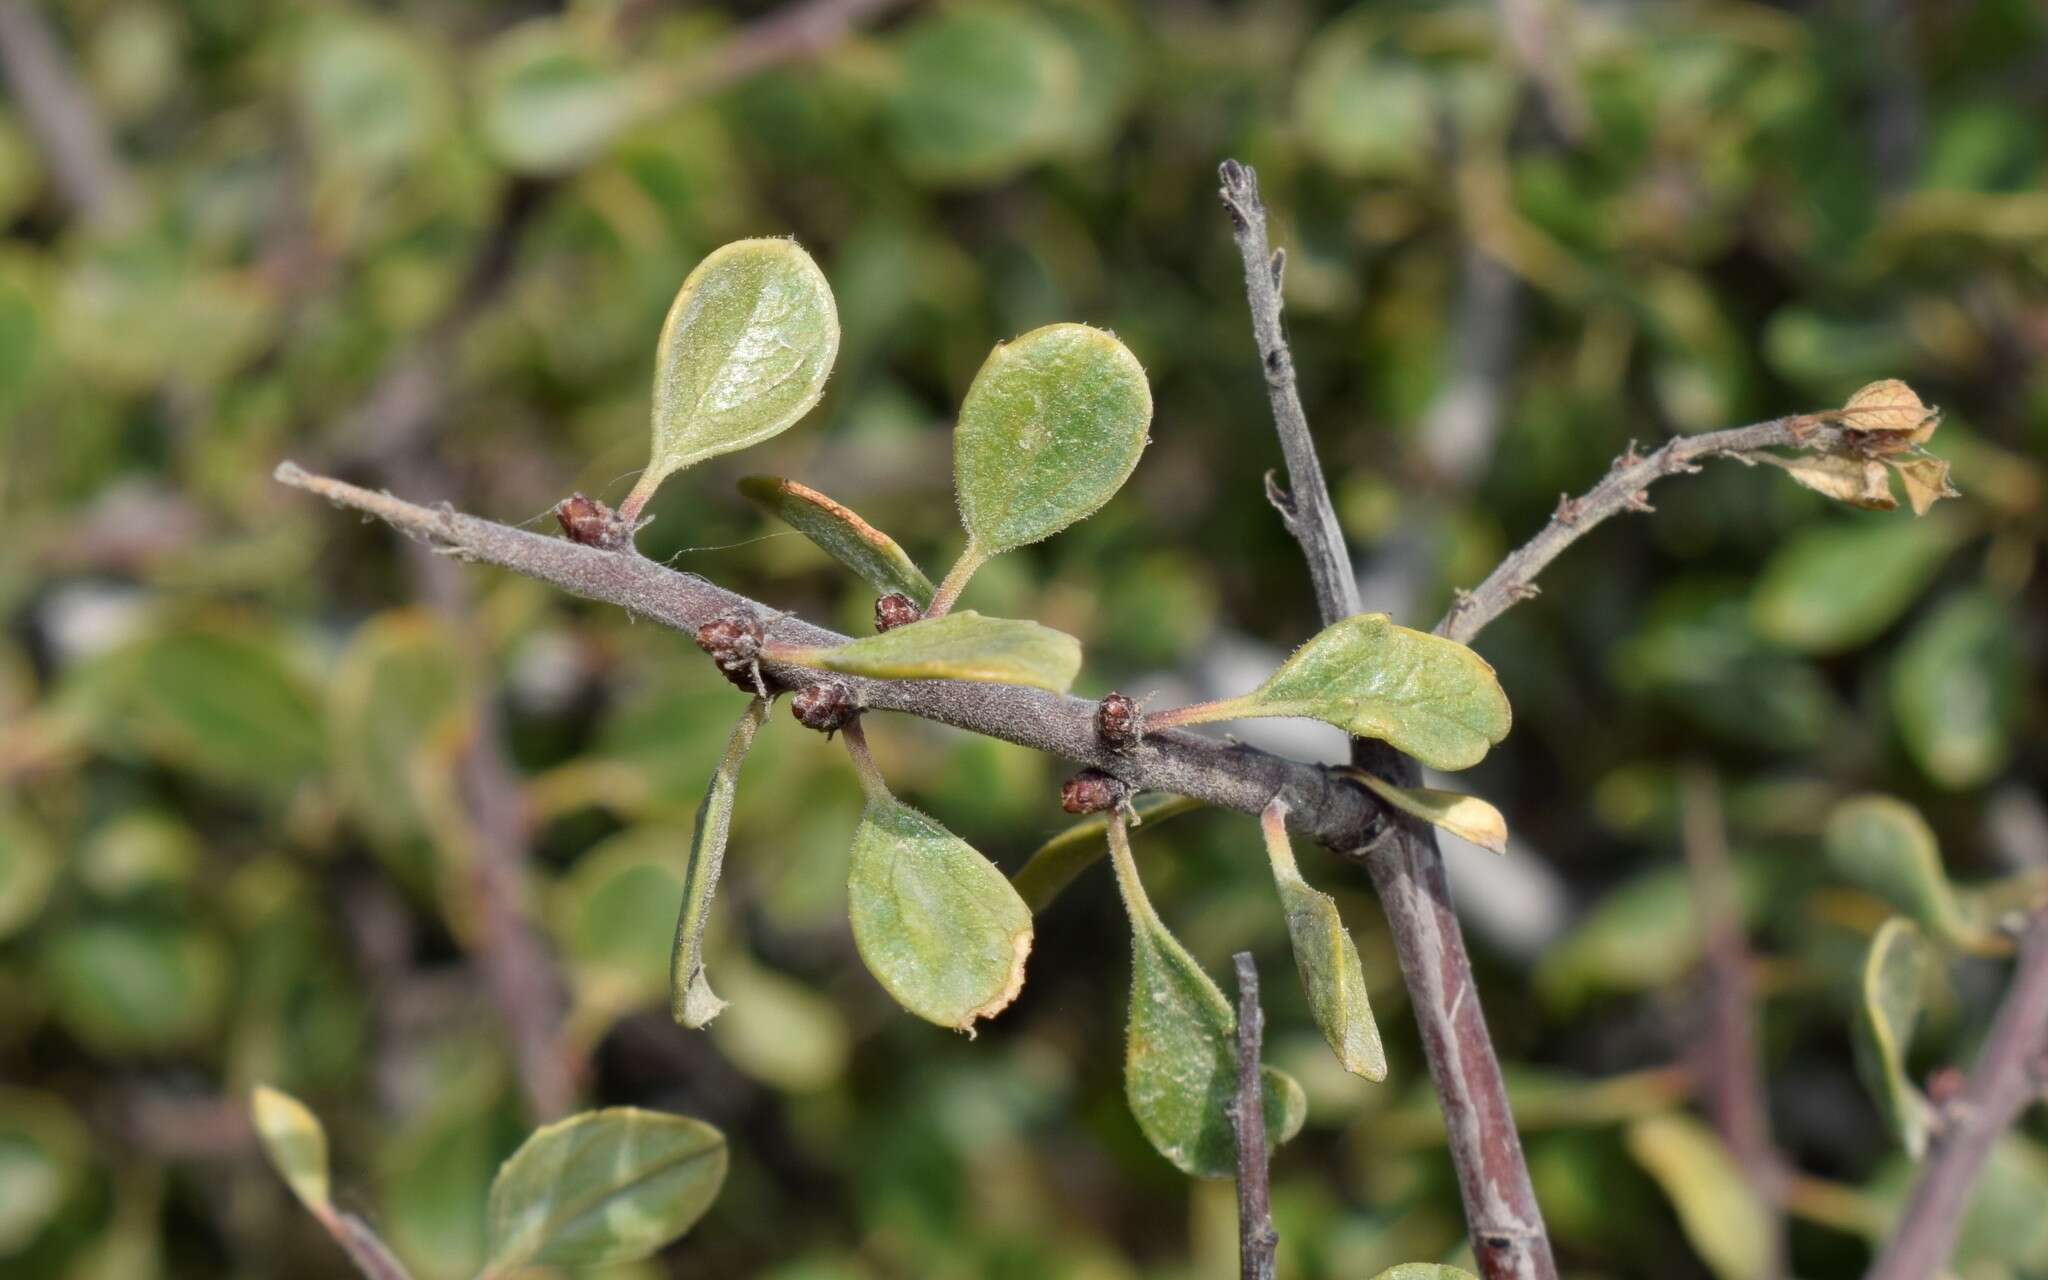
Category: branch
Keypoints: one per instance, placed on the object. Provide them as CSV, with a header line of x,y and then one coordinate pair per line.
x,y
2007,1079
59,113
1321,805
1256,1238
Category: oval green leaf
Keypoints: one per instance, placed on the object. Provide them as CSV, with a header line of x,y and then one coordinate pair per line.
x,y
548,105
1885,846
28,867
1467,817
841,534
295,1142
1894,982
959,646
1327,959
1053,866
1958,690
691,1000
1430,697
1718,1207
1050,430
744,353
603,1187
935,922
1836,585
1180,1059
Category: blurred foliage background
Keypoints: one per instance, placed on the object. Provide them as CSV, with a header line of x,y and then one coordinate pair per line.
x,y
263,770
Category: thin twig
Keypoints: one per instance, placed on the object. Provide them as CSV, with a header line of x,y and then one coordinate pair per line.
x,y
1257,1241
60,115
1728,1068
2007,1080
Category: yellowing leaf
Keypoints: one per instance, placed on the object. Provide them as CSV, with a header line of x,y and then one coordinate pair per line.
x,y
1894,978
935,922
602,1187
841,534
1891,407
295,1142
1327,959
691,1000
1424,1271
1180,1062
1886,847
959,646
1430,697
1467,817
744,353
1053,866
1721,1212
1925,480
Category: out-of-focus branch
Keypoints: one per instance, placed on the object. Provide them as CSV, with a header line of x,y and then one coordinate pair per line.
x,y
2007,1080
1257,1241
61,116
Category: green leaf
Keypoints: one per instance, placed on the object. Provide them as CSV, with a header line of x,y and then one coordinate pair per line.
x,y
959,646
1718,1207
28,867
548,104
935,922
1362,108
1958,689
841,534
1053,866
1894,980
1327,958
603,1187
1180,1061
1432,698
1886,847
1467,817
295,1142
137,986
45,1155
744,353
691,1000
985,89
1050,430
1424,1271
1836,585
781,1032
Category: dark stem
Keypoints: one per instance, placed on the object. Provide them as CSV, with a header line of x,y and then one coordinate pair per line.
x,y
61,116
2007,1080
1257,1241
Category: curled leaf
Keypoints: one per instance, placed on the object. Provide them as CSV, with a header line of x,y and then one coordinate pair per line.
x,y
1327,958
602,1187
1924,477
1430,697
1886,847
841,534
1053,866
1467,817
1860,482
691,1000
1180,1065
296,1143
959,646
1894,979
744,353
934,920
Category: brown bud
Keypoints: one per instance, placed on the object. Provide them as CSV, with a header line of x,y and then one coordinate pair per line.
x,y
1091,791
734,642
1117,720
895,610
591,523
825,707
1944,1085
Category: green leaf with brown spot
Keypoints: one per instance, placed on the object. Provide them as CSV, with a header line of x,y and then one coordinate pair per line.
x,y
691,1000
841,534
959,646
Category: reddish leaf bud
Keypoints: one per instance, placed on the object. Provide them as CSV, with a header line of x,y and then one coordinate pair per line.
x,y
734,642
895,610
824,707
1091,791
591,523
1117,720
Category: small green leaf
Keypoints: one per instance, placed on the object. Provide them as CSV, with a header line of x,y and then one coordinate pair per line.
x,y
548,104
744,353
1053,866
935,922
691,1000
1467,817
841,534
1838,584
136,985
28,867
1886,847
1894,980
1327,958
1430,697
983,90
1958,690
1050,430
603,1187
295,1142
959,646
1180,1061
1718,1207
1424,1271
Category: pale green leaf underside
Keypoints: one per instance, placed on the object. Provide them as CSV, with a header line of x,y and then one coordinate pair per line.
x,y
1894,979
603,1187
959,646
1049,431
1180,1062
841,534
1327,959
935,922
691,1000
1886,847
744,353
295,1142
1054,864
1718,1207
1432,698
1467,817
